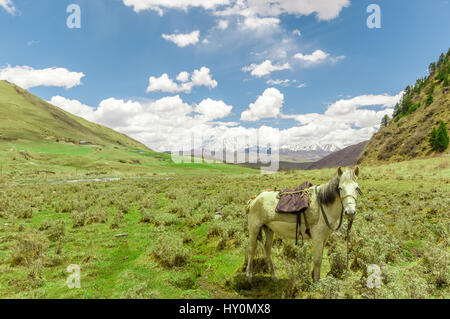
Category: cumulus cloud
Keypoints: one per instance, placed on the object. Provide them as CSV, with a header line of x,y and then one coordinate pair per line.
x,y
166,123
316,57
200,77
8,5
212,109
157,124
74,106
27,77
203,77
265,68
268,105
344,123
182,40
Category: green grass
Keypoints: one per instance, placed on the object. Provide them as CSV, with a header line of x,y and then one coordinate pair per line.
x,y
402,225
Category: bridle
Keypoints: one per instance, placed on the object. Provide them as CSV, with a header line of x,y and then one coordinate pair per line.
x,y
342,211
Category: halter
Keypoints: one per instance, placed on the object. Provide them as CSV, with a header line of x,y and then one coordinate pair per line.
x,y
325,215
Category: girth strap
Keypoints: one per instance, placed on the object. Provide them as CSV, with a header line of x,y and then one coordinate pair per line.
x,y
299,225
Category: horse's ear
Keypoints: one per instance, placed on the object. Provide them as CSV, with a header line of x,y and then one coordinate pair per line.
x,y
357,171
340,171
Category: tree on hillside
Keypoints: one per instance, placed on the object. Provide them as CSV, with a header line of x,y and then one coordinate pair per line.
x,y
441,59
439,138
385,121
432,68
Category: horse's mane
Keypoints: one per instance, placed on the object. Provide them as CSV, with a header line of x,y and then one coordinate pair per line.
x,y
328,194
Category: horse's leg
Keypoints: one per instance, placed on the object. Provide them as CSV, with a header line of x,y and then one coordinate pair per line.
x,y
268,251
252,242
317,258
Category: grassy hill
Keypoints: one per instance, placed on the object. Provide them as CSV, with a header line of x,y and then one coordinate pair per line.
x,y
423,106
38,140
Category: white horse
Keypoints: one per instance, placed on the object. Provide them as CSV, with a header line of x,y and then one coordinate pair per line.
x,y
327,204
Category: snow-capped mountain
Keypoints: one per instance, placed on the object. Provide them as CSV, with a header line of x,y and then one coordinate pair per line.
x,y
308,148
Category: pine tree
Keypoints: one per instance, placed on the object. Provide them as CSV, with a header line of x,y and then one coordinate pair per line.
x,y
385,121
432,68
439,138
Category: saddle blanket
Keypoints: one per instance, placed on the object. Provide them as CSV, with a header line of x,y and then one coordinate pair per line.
x,y
294,201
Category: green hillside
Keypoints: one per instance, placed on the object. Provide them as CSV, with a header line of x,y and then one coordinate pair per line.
x,y
39,140
423,107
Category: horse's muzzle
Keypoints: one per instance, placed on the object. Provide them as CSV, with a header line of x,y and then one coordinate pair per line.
x,y
350,212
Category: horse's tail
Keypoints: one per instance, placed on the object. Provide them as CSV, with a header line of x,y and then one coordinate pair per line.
x,y
247,208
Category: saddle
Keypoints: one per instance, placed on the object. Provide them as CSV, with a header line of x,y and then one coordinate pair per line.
x,y
295,201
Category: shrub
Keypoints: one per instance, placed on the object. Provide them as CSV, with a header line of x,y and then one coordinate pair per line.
x,y
297,262
78,219
170,252
57,230
429,99
96,215
147,216
29,247
413,108
439,138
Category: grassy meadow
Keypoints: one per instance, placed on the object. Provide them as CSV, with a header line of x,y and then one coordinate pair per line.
x,y
184,235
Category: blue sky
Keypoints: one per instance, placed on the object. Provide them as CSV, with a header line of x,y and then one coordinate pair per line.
x,y
349,75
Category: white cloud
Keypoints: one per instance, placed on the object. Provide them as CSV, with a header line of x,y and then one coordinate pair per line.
x,y
301,85
157,124
344,123
27,77
164,84
183,76
212,109
285,82
200,77
159,5
203,77
265,68
297,32
324,9
73,106
183,40
166,122
317,56
268,105
223,24
8,5
254,23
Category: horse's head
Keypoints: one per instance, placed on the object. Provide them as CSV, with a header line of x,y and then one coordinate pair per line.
x,y
349,189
